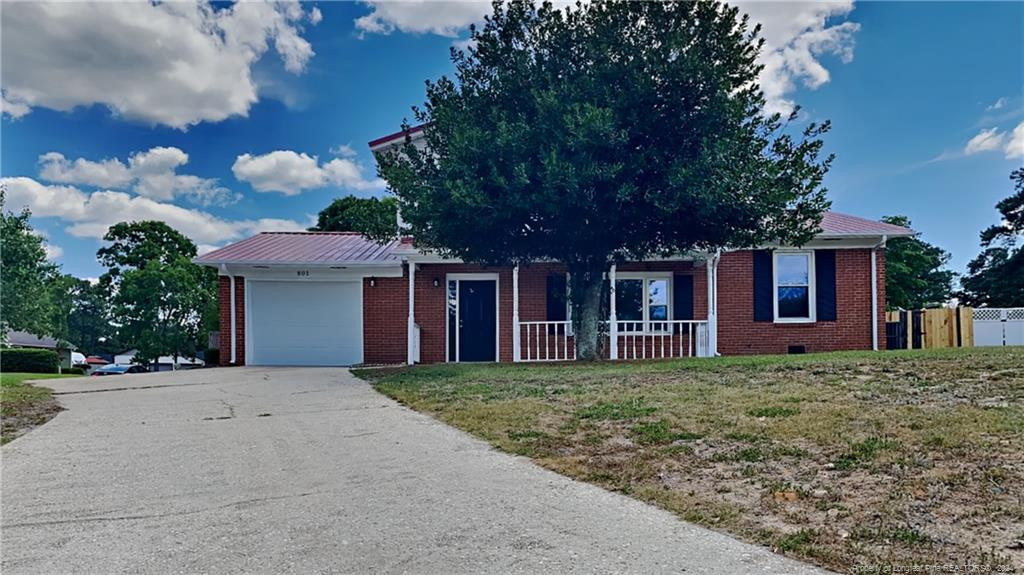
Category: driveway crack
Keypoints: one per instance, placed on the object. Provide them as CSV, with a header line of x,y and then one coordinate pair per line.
x,y
253,501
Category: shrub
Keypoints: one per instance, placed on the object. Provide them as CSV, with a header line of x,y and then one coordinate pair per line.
x,y
28,360
74,371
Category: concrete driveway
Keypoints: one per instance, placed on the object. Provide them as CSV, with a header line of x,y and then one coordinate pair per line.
x,y
309,470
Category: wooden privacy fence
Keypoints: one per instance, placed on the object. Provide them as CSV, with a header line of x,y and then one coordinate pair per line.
x,y
929,328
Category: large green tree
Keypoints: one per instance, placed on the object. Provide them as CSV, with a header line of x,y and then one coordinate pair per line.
x,y
26,302
160,298
374,217
995,278
607,132
915,271
83,308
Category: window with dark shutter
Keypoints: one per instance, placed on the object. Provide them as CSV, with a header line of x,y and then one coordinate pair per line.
x,y
556,298
764,299
825,280
682,297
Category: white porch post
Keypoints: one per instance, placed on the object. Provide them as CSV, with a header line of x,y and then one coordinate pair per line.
x,y
712,339
516,344
613,322
411,337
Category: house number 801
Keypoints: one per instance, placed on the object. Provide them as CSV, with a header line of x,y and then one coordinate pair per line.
x,y
303,273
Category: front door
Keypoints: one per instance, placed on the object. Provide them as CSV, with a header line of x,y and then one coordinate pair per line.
x,y
477,320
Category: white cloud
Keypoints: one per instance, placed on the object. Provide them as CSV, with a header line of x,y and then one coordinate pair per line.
x,y
171,63
89,215
291,173
1015,147
797,35
422,16
53,251
152,174
986,140
54,167
997,105
344,150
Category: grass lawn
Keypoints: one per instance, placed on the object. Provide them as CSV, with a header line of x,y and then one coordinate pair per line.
x,y
860,462
24,406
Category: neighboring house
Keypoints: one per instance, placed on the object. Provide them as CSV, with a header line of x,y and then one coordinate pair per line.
x,y
163,363
25,339
335,298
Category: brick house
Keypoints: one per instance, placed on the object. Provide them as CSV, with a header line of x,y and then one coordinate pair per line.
x,y
335,298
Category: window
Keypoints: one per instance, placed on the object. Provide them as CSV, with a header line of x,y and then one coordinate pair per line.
x,y
642,298
794,296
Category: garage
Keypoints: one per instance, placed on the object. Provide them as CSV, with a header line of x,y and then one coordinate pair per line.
x,y
305,322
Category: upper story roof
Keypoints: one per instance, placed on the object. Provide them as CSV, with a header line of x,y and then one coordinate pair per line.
x,y
327,248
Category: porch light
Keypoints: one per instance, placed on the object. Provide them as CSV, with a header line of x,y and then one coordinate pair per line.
x,y
437,282
373,282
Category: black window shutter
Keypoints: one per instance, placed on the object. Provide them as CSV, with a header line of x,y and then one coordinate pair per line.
x,y
764,301
682,297
825,280
556,297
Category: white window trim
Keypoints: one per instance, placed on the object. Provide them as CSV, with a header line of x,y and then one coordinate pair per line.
x,y
646,277
811,287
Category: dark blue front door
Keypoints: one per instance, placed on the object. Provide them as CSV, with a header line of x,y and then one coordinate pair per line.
x,y
478,322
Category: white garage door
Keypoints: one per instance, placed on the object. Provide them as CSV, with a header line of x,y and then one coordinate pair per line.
x,y
305,323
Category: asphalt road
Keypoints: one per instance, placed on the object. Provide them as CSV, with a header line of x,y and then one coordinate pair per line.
x,y
308,470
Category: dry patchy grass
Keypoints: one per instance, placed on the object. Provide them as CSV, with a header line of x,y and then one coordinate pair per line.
x,y
859,462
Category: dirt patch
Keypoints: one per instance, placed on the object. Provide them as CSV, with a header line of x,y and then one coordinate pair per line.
x,y
28,415
863,463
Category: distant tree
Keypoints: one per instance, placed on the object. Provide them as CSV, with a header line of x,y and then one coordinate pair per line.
x,y
374,217
160,298
995,278
26,302
915,271
161,307
84,311
136,244
607,132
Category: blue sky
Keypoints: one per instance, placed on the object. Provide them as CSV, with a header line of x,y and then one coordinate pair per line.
x,y
924,99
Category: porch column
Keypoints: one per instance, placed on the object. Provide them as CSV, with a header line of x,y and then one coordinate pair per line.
x,y
712,339
516,335
613,327
411,337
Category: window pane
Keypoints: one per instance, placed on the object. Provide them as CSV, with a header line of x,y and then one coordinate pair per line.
x,y
792,270
794,302
629,300
659,313
453,301
657,292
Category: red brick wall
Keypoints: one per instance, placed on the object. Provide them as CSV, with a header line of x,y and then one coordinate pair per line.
x,y
385,319
739,334
224,293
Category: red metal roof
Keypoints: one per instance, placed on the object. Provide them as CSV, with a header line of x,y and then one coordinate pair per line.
x,y
834,224
352,248
303,247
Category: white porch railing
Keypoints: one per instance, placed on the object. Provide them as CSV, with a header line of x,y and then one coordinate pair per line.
x,y
661,339
554,341
546,341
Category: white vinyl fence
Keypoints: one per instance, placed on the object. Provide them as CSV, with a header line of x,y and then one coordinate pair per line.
x,y
998,326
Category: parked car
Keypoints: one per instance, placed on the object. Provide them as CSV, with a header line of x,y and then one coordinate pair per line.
x,y
119,370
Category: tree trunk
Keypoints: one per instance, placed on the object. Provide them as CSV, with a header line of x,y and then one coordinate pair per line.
x,y
585,293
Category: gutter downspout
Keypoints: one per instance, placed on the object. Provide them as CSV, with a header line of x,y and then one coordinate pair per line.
x,y
874,292
234,335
